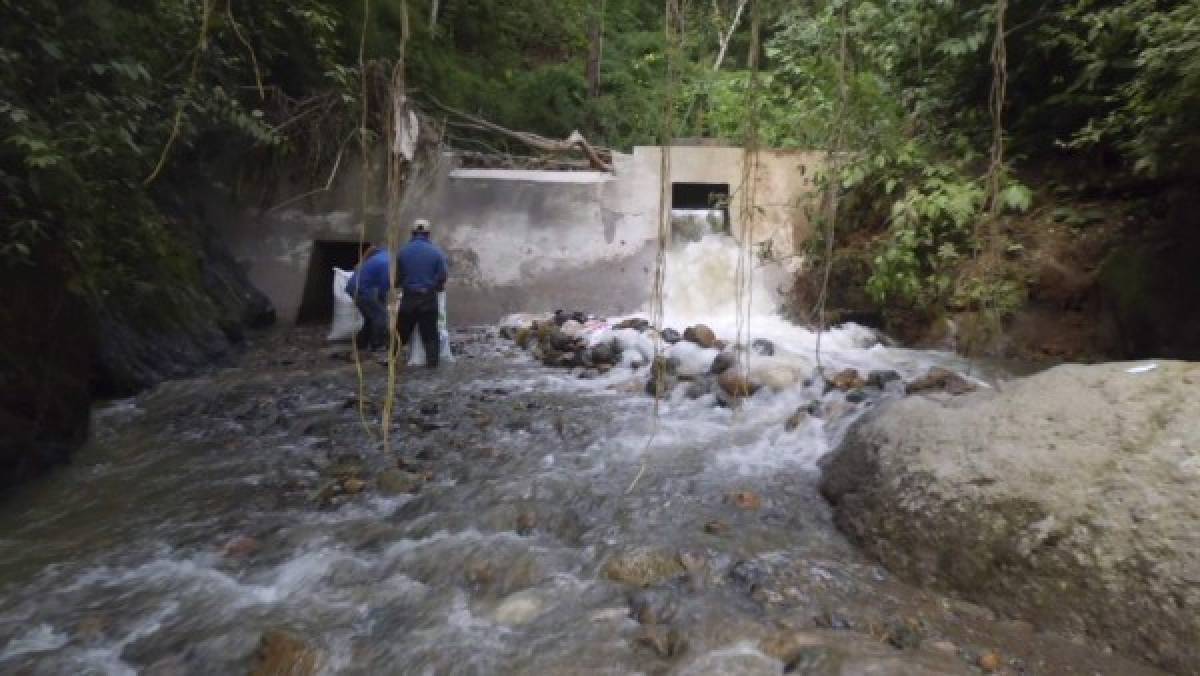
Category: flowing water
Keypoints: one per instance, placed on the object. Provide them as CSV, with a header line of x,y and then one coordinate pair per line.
x,y
560,527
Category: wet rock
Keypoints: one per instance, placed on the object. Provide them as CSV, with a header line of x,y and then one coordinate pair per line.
x,y
353,486
722,363
522,338
856,396
881,378
989,661
796,419
671,336
636,323
479,573
526,523
940,379
736,384
281,652
716,527
604,354
993,495
520,608
700,335
748,573
346,467
240,547
398,482
904,635
643,567
833,620
762,347
664,641
653,607
845,380
748,500
944,647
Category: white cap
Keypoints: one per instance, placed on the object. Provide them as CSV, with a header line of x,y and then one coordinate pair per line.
x,y
421,225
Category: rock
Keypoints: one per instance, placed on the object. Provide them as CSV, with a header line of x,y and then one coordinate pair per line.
x,y
938,378
845,380
847,652
856,396
745,500
671,336
636,323
604,354
699,388
944,647
353,486
398,482
666,642
480,572
519,608
880,379
700,335
282,652
716,527
92,628
736,384
572,328
722,363
795,420
1067,499
989,661
763,347
904,635
240,547
526,523
643,567
653,607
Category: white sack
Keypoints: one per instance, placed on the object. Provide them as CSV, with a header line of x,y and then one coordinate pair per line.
x,y
347,320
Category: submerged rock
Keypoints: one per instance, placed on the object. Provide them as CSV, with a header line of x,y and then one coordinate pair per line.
x,y
1069,499
398,482
643,567
282,652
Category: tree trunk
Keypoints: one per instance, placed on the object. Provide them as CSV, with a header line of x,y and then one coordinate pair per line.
x,y
737,17
595,49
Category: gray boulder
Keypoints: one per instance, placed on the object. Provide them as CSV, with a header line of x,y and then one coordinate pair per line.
x,y
1070,498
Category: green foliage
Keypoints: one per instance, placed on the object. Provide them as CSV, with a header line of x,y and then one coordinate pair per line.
x,y
92,92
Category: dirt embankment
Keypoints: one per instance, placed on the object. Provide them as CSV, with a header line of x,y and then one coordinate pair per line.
x,y
1090,279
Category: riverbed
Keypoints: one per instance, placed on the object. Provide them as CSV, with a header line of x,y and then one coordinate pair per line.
x,y
519,519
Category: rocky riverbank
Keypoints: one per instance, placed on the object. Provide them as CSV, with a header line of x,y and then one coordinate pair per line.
x,y
1070,499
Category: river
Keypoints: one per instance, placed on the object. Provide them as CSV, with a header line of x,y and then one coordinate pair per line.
x,y
558,526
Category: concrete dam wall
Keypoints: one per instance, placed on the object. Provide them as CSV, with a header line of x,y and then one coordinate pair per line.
x,y
538,240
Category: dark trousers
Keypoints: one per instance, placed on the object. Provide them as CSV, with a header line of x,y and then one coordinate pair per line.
x,y
419,309
374,332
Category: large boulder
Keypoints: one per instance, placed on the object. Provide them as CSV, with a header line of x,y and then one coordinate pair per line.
x,y
1070,498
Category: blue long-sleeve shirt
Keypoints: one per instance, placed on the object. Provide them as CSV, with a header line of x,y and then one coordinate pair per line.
x,y
421,266
373,275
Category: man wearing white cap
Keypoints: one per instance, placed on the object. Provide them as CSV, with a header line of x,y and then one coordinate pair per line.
x,y
421,273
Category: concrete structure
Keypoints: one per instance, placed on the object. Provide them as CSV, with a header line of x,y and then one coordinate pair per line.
x,y
537,240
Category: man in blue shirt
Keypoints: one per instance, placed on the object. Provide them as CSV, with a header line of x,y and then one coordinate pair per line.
x,y
421,273
369,287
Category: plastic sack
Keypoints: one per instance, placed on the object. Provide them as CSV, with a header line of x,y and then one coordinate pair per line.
x,y
347,320
416,349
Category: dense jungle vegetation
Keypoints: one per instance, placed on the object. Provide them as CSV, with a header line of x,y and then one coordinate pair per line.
x,y
109,111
